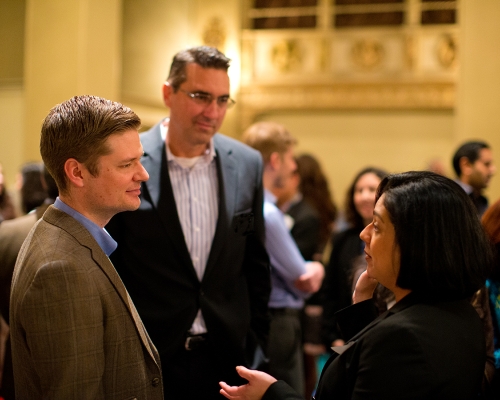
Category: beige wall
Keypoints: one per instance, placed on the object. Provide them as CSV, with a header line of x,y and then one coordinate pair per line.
x,y
11,134
11,91
71,48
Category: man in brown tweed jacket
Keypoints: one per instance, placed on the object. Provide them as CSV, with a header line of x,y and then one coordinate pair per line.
x,y
74,329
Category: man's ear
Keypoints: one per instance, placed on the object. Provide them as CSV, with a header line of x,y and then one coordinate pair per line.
x,y
465,166
167,93
74,172
275,160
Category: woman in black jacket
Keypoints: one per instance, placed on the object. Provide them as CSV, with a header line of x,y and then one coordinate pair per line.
x,y
427,246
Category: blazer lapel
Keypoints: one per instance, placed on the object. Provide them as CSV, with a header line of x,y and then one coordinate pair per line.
x,y
154,148
404,303
228,187
158,191
82,235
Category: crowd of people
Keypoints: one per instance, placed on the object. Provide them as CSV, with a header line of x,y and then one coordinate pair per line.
x,y
181,263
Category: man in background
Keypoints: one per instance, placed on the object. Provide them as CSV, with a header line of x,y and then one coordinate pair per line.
x,y
75,332
293,279
12,235
192,256
474,167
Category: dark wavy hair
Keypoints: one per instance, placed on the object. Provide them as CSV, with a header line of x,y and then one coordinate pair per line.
x,y
445,252
315,190
33,193
351,214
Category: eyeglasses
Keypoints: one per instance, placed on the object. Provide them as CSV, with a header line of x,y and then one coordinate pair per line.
x,y
205,99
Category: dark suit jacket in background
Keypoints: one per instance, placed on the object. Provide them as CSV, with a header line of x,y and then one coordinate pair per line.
x,y
305,230
12,235
75,332
416,350
153,260
337,285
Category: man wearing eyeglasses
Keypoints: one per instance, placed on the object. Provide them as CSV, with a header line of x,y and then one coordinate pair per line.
x,y
193,256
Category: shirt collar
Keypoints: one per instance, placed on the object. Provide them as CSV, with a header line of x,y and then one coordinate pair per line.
x,y
467,188
269,197
101,236
205,158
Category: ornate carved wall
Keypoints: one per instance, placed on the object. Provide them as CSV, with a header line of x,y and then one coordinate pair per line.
x,y
408,63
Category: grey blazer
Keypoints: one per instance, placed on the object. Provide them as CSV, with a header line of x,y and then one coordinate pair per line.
x,y
74,329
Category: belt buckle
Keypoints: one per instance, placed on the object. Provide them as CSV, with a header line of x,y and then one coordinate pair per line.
x,y
192,342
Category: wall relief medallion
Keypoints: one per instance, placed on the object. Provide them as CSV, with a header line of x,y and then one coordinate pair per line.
x,y
447,51
367,53
214,34
286,55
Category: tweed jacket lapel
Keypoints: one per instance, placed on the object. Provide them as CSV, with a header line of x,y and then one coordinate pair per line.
x,y
82,235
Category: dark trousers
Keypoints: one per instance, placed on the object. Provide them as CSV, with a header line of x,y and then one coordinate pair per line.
x,y
195,374
285,347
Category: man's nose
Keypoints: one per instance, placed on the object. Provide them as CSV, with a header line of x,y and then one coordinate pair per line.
x,y
212,110
142,174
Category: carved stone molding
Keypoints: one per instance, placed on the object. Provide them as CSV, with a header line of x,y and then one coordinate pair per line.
x,y
377,96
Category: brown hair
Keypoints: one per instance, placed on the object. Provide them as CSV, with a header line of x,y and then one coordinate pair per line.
x,y
314,188
491,224
268,138
79,128
204,56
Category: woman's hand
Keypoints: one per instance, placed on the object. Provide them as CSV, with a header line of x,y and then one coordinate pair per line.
x,y
258,383
365,286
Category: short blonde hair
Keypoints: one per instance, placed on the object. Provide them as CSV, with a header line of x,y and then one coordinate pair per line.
x,y
268,138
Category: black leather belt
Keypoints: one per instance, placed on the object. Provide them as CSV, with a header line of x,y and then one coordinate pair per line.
x,y
194,342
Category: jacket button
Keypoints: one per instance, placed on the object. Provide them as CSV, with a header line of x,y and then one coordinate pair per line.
x,y
155,382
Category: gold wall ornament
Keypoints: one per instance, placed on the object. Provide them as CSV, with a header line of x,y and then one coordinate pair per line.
x,y
367,53
214,34
410,52
447,51
286,55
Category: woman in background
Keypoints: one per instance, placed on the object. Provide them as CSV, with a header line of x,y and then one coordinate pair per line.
x,y
347,249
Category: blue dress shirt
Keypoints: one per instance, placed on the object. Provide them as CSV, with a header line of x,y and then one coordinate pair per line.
x,y
106,242
287,264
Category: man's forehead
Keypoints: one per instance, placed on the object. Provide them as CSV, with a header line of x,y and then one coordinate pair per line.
x,y
485,155
207,77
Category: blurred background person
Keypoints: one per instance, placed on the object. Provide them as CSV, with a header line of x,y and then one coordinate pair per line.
x,y
310,213
7,210
12,235
491,223
474,167
347,251
293,278
437,166
31,187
